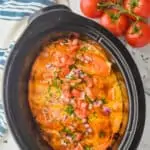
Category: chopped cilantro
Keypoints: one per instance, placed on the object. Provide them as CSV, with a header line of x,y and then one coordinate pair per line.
x,y
88,99
73,136
102,134
69,109
56,82
84,48
72,66
68,132
87,147
54,88
103,100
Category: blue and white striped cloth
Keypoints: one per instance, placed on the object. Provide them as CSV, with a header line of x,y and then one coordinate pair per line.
x,y
13,20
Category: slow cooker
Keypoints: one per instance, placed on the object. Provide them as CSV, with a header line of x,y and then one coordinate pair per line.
x,y
47,25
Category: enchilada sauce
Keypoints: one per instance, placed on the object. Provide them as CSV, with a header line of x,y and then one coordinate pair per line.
x,y
75,96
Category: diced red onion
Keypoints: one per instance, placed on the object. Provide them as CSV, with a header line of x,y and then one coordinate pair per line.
x,y
89,130
106,110
89,59
48,66
62,59
86,125
72,101
84,120
86,61
69,138
97,104
84,105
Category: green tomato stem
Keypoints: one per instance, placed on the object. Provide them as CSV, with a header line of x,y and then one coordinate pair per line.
x,y
118,6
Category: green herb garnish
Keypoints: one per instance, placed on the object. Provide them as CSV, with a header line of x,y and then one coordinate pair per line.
x,y
55,87
72,66
69,109
84,48
87,147
68,132
56,82
103,100
88,99
102,134
49,91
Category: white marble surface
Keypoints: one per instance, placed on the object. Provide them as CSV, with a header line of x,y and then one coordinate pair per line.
x,y
144,67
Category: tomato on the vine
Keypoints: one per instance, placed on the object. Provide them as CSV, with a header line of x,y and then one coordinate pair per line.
x,y
114,21
139,7
138,34
89,8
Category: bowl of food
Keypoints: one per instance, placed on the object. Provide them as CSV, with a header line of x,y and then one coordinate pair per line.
x,y
69,84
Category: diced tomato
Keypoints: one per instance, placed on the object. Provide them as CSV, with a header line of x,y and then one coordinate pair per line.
x,y
73,48
70,61
66,91
64,71
78,136
65,86
84,105
60,59
75,42
89,81
81,109
67,94
76,93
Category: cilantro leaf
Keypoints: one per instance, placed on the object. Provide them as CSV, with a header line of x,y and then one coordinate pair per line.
x,y
87,147
69,109
84,48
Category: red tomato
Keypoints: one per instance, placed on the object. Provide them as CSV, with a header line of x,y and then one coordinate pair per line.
x,y
115,23
78,136
81,109
76,93
138,35
64,71
139,7
89,8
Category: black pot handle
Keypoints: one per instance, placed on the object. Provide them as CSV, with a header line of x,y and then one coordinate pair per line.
x,y
50,8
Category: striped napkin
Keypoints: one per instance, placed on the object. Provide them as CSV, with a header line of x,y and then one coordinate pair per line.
x,y
13,20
